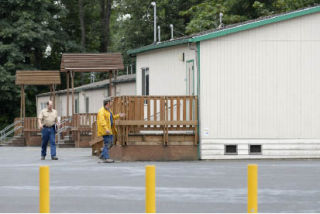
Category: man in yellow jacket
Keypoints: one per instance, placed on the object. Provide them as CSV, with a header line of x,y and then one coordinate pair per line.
x,y
106,127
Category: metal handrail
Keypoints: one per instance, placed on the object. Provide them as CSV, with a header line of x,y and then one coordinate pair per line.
x,y
158,113
4,133
62,125
68,119
13,130
10,126
63,128
174,107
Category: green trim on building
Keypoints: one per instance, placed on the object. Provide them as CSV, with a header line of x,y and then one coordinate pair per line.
x,y
227,31
256,24
198,95
157,46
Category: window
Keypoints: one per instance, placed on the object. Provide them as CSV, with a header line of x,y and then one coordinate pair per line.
x,y
43,105
87,104
76,106
145,81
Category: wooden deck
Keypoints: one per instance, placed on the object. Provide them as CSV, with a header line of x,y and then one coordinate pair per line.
x,y
156,114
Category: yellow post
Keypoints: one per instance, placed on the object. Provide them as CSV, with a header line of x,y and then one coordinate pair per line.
x,y
150,189
252,188
44,189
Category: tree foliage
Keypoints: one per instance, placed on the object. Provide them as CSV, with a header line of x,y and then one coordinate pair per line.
x,y
205,15
25,32
34,34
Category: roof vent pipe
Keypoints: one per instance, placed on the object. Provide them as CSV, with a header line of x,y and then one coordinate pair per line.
x,y
159,38
171,27
221,24
154,21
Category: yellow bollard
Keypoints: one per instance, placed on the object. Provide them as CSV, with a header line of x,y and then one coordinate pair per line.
x,y
44,189
252,188
150,189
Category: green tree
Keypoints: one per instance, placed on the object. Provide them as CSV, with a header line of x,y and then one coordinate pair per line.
x,y
205,15
25,32
132,24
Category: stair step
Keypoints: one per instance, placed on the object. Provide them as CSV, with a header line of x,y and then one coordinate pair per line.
x,y
66,145
14,144
15,141
66,142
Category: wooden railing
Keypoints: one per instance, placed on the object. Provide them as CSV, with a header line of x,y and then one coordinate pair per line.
x,y
30,124
165,113
84,121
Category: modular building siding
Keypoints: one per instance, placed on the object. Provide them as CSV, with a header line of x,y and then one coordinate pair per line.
x,y
61,103
126,89
167,70
261,86
95,97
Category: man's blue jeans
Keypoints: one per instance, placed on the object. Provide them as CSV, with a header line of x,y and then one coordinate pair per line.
x,y
108,140
48,134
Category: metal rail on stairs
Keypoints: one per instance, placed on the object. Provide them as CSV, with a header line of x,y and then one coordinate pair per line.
x,y
63,127
8,130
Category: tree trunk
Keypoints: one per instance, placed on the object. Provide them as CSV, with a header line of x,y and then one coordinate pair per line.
x,y
83,30
38,56
83,34
105,24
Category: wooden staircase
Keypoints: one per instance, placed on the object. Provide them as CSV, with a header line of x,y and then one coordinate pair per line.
x,y
15,141
66,142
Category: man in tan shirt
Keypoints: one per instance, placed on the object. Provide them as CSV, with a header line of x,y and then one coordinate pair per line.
x,y
47,121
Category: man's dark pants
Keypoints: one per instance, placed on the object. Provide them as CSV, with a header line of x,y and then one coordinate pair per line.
x,y
108,140
48,134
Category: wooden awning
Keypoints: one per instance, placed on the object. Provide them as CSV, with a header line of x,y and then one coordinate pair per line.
x,y
38,78
85,62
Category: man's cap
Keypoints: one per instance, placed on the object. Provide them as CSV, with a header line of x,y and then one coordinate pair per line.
x,y
107,100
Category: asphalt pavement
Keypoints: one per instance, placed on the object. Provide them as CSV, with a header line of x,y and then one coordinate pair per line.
x,y
78,183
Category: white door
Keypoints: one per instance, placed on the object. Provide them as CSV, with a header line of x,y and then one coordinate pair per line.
x,y
190,78
189,86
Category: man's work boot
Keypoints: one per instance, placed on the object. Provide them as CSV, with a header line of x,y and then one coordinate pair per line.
x,y
43,157
108,160
54,158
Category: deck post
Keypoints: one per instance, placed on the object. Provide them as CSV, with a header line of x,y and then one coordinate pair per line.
x,y
68,82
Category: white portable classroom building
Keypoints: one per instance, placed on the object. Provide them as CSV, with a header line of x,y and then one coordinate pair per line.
x,y
258,84
89,98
